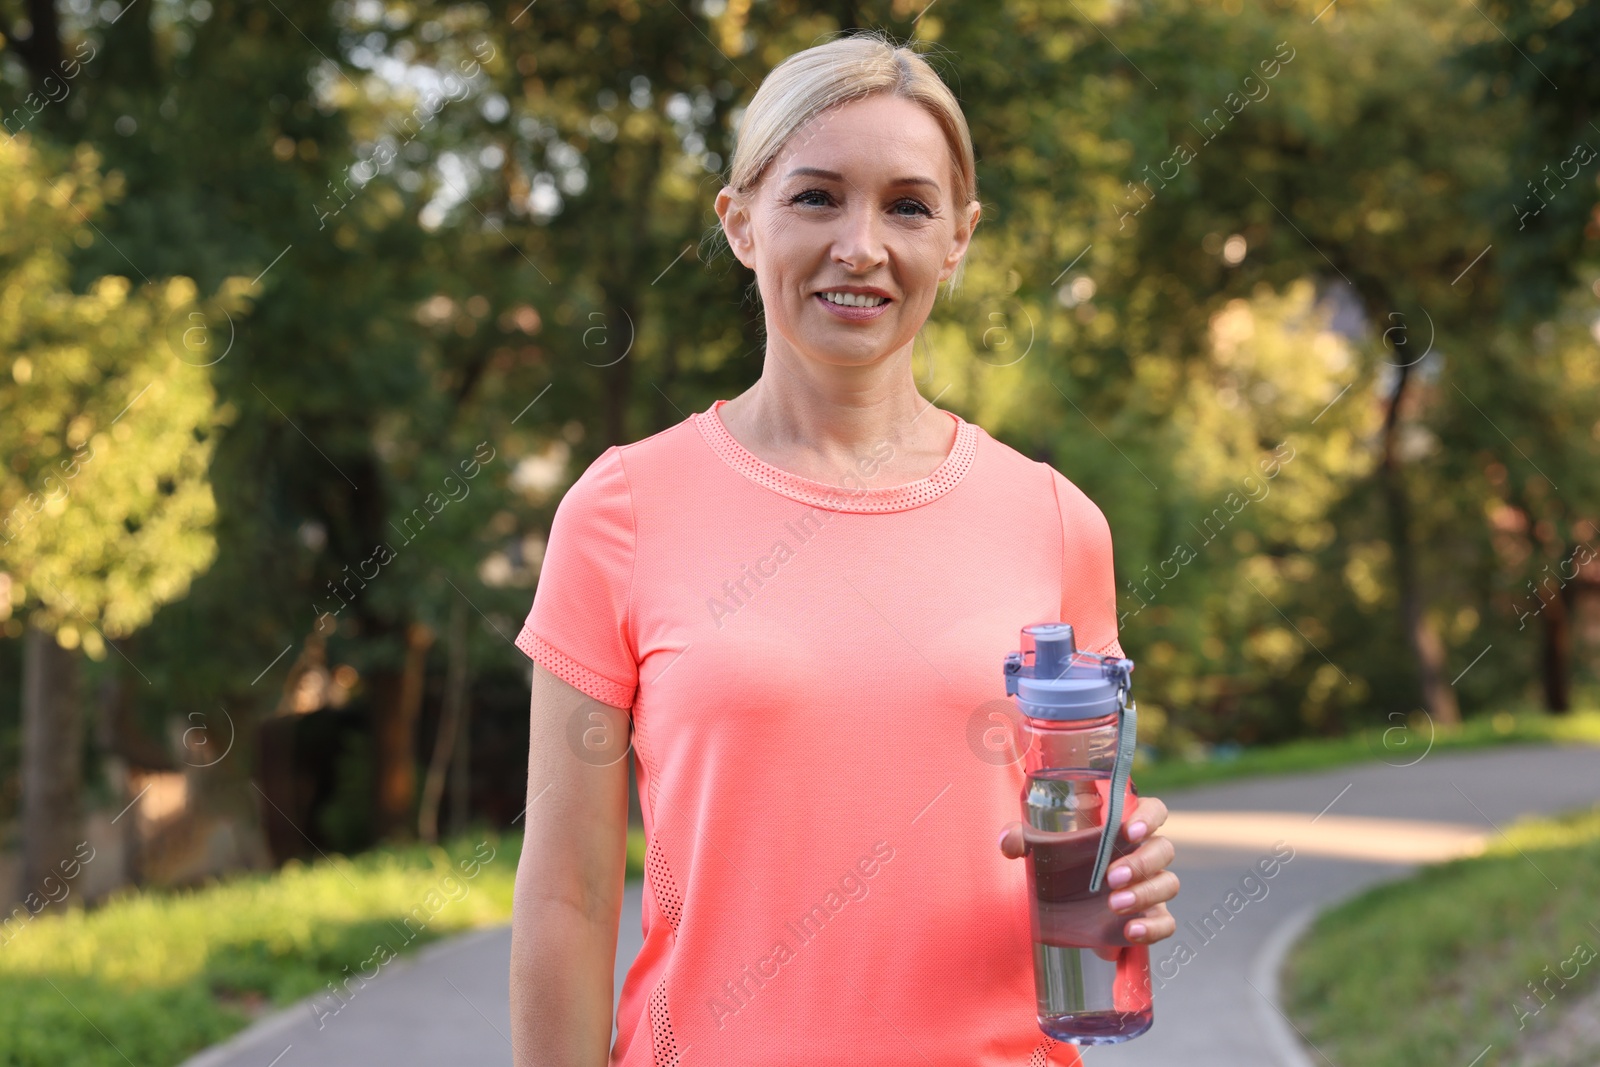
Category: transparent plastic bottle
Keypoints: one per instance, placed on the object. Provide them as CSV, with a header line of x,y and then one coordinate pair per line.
x,y
1092,984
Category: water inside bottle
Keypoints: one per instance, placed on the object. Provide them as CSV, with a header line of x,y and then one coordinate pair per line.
x,y
1082,998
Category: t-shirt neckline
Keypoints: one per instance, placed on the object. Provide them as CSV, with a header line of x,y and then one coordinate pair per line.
x,y
862,497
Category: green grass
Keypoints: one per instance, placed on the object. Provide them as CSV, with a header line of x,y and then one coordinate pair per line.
x,y
1434,968
1397,743
164,974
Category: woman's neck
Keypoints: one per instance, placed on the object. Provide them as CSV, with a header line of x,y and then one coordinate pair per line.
x,y
823,431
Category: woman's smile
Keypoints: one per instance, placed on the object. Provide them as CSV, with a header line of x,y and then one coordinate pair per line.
x,y
854,303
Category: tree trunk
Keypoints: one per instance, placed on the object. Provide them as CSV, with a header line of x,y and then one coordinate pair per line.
x,y
115,740
130,44
665,411
1438,698
395,705
52,761
42,50
122,738
461,767
1556,658
455,697
632,271
617,381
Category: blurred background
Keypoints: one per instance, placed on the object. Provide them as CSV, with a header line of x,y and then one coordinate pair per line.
x,y
310,313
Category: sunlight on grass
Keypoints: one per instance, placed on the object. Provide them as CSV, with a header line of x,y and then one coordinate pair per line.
x,y
1434,968
158,969
164,973
163,939
1571,830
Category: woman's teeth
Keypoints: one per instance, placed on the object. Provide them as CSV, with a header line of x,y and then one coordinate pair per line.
x,y
854,300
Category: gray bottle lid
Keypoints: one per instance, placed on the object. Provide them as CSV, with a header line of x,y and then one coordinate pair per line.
x,y
1062,683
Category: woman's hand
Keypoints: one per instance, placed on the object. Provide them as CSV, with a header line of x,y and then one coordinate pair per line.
x,y
1140,882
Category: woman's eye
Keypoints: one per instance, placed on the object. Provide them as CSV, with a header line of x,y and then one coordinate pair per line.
x,y
906,208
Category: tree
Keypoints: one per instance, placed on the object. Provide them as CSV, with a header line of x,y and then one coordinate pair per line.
x,y
1541,373
106,501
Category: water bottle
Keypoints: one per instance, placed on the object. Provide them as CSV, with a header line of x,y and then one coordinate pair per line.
x,y
1091,983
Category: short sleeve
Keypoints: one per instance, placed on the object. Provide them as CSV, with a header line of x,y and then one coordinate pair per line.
x,y
1088,578
579,627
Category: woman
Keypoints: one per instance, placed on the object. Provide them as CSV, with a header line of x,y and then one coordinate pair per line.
x,y
794,606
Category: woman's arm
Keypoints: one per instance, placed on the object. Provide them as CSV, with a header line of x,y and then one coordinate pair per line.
x,y
568,896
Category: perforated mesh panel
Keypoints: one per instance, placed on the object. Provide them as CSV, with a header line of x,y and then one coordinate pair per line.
x,y
641,745
571,671
663,1042
662,885
1041,1055
840,497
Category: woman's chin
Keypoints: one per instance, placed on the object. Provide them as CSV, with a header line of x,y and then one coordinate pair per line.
x,y
863,353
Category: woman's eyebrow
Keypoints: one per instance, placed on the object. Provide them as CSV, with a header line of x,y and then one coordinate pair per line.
x,y
818,172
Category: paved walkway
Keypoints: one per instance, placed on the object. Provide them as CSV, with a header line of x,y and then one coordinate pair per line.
x,y
1348,827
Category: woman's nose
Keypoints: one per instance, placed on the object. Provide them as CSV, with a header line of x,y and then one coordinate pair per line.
x,y
858,245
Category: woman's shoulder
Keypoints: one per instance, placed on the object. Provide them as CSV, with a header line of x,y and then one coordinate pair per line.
x,y
609,473
1005,462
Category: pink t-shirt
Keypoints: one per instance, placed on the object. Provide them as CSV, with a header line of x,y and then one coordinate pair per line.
x,y
812,670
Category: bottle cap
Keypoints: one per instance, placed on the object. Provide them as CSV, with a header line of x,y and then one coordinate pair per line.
x,y
1051,679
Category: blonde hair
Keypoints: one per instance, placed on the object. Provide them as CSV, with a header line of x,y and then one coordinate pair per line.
x,y
847,68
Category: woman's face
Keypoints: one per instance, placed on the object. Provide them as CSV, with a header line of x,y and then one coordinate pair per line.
x,y
858,207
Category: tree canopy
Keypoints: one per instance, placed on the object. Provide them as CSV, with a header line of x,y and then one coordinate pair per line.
x,y
1301,294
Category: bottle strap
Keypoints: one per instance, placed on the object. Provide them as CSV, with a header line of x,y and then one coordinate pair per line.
x,y
1127,736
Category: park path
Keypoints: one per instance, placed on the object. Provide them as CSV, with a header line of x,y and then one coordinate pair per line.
x,y
1349,828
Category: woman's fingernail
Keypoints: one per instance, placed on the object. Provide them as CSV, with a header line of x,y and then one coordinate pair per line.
x,y
1136,929
1137,830
1121,900
1003,835
1119,876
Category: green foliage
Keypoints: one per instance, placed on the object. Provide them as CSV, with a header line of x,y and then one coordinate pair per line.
x,y
1436,967
105,506
1212,232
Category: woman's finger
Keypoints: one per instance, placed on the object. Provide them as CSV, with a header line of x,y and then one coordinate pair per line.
x,y
1142,895
1011,842
1147,817
1146,861
1155,925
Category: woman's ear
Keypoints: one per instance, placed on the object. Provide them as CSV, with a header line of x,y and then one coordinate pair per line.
x,y
962,239
736,225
